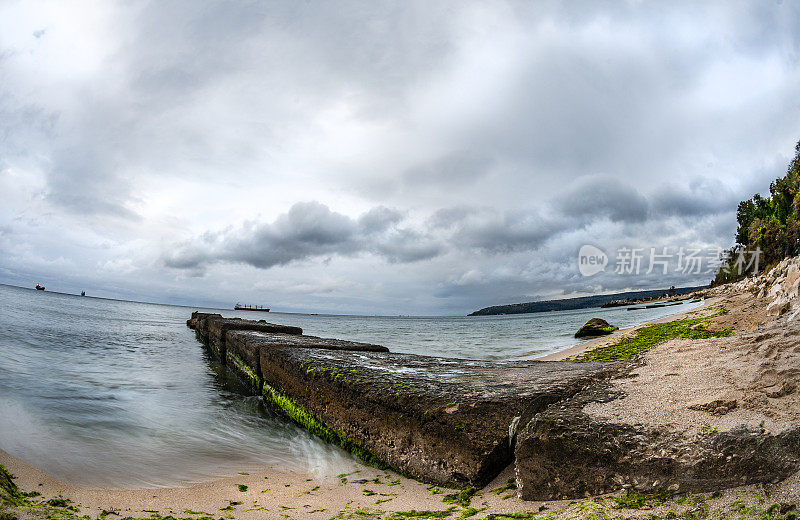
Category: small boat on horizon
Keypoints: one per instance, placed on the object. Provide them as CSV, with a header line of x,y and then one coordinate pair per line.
x,y
240,307
39,287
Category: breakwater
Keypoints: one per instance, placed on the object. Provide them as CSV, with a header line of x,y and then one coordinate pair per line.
x,y
455,422
444,421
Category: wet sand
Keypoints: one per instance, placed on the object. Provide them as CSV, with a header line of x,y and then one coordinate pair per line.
x,y
270,494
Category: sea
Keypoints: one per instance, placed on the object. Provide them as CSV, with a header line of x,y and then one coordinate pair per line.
x,y
108,393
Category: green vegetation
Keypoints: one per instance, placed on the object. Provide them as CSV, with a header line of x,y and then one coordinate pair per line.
x,y
461,498
242,488
633,500
510,484
399,515
313,425
244,370
771,224
469,512
646,337
10,495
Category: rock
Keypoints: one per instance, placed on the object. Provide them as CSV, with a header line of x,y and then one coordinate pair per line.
x,y
450,422
779,306
792,283
566,453
595,327
775,290
716,407
787,388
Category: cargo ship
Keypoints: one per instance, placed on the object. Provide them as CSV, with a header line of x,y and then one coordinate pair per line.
x,y
240,307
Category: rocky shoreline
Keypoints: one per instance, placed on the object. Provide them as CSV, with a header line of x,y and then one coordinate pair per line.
x,y
454,422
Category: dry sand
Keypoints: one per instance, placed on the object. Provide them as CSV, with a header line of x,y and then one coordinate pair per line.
x,y
757,368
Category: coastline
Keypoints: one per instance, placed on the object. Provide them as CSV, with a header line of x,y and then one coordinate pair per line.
x,y
576,350
369,492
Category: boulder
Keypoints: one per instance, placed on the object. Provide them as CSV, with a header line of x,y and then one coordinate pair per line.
x,y
779,306
595,327
565,453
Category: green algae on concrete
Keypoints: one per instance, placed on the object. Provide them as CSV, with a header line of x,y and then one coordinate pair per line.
x,y
244,371
445,421
318,428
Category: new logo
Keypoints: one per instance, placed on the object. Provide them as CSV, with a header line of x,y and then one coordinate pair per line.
x,y
591,260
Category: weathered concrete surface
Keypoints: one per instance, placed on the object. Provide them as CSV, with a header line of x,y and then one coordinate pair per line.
x,y
219,327
446,421
243,349
566,453
199,322
453,422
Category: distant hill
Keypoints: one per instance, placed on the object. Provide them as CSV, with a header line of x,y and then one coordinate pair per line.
x,y
567,304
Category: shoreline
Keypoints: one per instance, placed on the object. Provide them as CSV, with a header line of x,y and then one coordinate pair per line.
x,y
364,493
576,350
271,493
370,492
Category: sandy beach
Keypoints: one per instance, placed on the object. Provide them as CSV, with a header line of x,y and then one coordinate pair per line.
x,y
363,493
272,494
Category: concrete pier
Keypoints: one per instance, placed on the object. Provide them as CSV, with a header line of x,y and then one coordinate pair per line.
x,y
449,422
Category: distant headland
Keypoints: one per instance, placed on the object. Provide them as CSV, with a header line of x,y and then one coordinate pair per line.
x,y
583,302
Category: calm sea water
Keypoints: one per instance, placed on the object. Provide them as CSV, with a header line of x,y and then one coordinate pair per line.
x,y
110,393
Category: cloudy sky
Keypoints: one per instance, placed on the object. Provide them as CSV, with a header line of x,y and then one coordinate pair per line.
x,y
381,157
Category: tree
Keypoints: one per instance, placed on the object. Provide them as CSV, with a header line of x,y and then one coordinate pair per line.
x,y
769,223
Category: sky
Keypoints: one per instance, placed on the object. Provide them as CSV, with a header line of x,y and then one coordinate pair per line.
x,y
426,158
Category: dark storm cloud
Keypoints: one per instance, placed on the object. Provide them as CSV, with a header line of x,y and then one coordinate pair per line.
x,y
144,113
308,230
450,217
311,230
699,198
602,196
379,219
503,232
